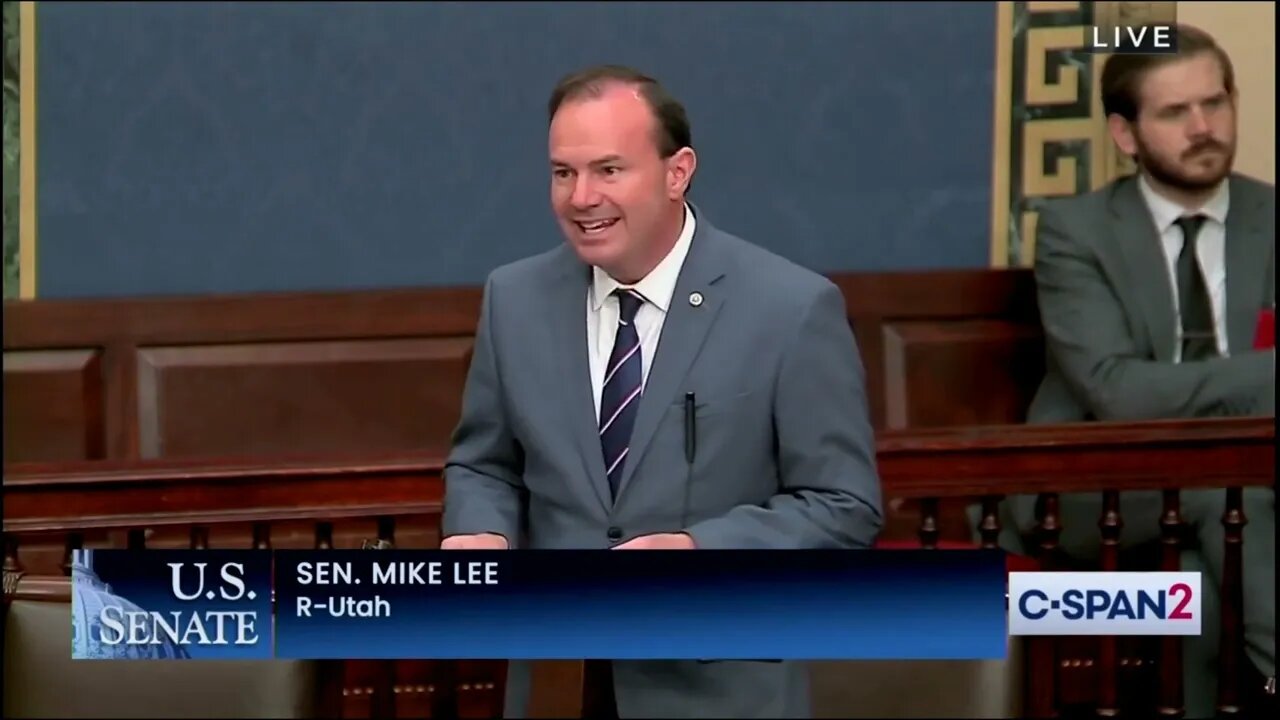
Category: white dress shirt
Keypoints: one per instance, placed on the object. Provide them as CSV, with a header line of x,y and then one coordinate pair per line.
x,y
1210,251
602,309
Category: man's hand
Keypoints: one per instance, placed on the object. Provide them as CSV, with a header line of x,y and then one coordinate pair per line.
x,y
661,541
483,541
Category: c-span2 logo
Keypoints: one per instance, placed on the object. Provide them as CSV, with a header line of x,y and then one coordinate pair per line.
x,y
1104,603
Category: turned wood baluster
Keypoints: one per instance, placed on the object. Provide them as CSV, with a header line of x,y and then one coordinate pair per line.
x,y
199,537
74,542
262,536
928,532
11,562
333,673
324,536
1170,692
12,574
1231,646
445,701
990,525
1042,684
1048,529
387,530
383,704
1110,524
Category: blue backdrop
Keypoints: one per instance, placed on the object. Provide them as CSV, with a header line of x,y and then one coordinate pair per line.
x,y
225,147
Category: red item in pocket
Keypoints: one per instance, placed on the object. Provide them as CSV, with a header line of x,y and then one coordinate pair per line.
x,y
1264,335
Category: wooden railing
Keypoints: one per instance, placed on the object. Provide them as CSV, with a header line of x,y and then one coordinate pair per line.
x,y
991,463
51,509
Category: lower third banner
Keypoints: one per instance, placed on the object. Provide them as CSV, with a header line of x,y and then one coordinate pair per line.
x,y
640,605
430,604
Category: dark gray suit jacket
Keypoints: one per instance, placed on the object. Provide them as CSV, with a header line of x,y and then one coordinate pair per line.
x,y
785,453
1110,326
1106,304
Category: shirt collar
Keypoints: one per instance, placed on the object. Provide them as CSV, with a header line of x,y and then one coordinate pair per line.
x,y
660,284
1165,212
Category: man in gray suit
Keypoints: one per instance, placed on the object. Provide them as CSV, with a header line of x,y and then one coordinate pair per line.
x,y
588,357
1149,291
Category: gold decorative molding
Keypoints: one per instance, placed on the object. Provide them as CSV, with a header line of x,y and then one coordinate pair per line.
x,y
1050,135
1000,121
27,215
1065,89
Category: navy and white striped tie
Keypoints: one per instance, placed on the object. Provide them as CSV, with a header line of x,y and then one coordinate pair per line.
x,y
623,381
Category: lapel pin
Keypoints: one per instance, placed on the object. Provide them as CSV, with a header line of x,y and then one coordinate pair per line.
x,y
695,299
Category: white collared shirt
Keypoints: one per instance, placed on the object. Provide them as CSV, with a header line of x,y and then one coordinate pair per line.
x,y
1210,251
602,309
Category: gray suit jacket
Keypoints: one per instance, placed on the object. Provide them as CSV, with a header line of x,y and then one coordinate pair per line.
x,y
785,453
1106,304
1107,308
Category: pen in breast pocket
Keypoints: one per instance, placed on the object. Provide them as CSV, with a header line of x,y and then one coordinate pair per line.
x,y
690,427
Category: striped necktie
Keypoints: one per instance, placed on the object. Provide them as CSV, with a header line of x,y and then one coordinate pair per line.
x,y
623,382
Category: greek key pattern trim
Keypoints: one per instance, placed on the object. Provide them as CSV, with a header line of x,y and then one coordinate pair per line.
x,y
1051,135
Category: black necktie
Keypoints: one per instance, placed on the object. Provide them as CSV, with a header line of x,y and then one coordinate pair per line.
x,y
620,397
1199,340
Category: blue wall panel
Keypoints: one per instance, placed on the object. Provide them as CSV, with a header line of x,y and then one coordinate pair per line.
x,y
225,147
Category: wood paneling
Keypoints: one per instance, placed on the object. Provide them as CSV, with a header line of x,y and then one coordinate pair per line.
x,y
53,405
302,397
240,375
961,372
902,319
383,370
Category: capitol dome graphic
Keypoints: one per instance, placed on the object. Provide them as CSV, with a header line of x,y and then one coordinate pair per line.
x,y
89,595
